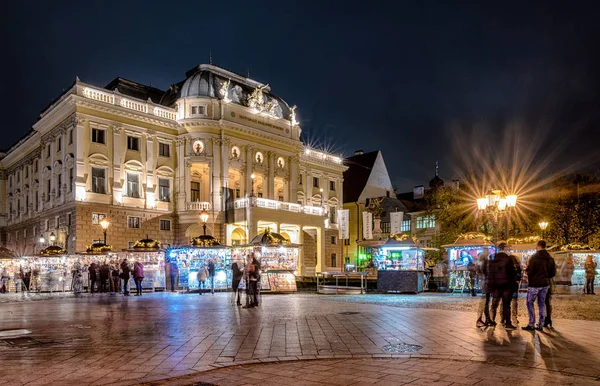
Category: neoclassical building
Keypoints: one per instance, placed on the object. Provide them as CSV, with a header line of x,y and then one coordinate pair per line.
x,y
151,160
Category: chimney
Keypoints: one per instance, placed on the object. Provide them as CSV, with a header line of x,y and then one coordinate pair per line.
x,y
418,192
359,152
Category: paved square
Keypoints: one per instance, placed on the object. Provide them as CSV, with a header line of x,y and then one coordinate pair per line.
x,y
113,339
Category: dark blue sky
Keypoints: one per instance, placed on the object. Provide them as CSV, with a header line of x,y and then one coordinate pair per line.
x,y
396,76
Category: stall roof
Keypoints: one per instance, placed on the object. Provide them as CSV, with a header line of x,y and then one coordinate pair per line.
x,y
470,239
145,245
272,240
208,242
52,250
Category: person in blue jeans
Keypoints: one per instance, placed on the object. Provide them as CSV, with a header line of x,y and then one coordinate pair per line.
x,y
540,270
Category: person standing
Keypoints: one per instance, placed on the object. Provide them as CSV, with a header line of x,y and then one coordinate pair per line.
x,y
114,272
501,276
125,275
566,271
77,279
202,275
173,273
515,289
474,270
211,275
18,277
27,279
92,276
104,276
540,269
253,276
484,305
4,277
590,274
236,277
138,276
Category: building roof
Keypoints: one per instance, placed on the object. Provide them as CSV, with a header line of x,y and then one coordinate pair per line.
x,y
135,90
357,175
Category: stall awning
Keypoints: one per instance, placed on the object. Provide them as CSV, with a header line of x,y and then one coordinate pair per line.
x,y
53,250
206,241
145,245
471,239
271,240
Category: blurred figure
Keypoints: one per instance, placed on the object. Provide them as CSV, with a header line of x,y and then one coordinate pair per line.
x,y
548,304
125,275
4,277
236,278
18,277
27,279
202,275
77,279
104,275
114,276
514,308
501,276
590,274
566,270
173,273
484,305
92,277
474,270
138,276
253,277
211,275
540,269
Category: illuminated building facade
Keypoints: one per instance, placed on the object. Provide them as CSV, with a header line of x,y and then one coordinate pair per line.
x,y
151,160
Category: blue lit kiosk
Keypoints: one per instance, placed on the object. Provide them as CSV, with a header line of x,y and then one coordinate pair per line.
x,y
467,248
278,259
151,254
401,265
191,258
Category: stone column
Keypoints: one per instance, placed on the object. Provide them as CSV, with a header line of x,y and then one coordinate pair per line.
x,y
320,249
301,268
216,174
293,179
225,145
180,179
249,163
271,176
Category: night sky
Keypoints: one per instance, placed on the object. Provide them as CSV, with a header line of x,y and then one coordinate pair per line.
x,y
420,82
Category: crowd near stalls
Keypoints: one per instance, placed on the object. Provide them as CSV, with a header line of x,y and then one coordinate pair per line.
x,y
401,265
150,254
463,257
184,264
278,259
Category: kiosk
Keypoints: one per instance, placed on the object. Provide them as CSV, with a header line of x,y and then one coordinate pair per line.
x,y
465,250
148,252
579,254
191,258
278,259
50,270
401,265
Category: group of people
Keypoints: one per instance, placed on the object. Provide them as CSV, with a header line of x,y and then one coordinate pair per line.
x,y
24,279
502,275
250,272
109,276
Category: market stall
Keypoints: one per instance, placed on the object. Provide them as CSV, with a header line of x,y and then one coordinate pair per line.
x,y
278,259
10,264
95,253
148,252
400,265
465,250
579,254
50,270
190,259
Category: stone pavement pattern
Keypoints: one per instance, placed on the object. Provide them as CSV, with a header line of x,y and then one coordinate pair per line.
x,y
113,339
363,372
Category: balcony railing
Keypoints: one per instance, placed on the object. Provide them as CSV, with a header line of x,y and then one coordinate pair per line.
x,y
276,205
198,205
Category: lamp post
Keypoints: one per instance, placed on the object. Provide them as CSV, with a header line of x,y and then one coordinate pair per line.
x,y
497,205
52,238
204,219
543,225
104,224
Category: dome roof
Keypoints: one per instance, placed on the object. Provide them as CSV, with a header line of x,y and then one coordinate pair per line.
x,y
200,83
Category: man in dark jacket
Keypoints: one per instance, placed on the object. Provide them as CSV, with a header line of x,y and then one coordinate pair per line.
x,y
501,276
540,269
211,275
92,276
125,275
104,275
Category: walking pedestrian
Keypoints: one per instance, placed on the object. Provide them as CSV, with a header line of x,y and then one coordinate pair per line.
x,y
548,304
173,273
590,274
474,270
253,277
540,269
114,272
92,276
77,279
236,277
138,276
211,275
202,275
125,275
18,277
501,277
484,305
27,279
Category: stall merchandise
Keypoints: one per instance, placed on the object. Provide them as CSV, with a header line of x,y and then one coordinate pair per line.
x,y
190,259
148,252
579,253
401,265
278,259
465,250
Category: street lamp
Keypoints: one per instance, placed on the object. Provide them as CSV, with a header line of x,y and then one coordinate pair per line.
x,y
204,219
42,240
543,225
496,205
52,238
104,224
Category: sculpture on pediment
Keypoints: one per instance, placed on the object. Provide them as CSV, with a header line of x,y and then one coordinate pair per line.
x,y
293,115
275,109
256,100
224,91
237,94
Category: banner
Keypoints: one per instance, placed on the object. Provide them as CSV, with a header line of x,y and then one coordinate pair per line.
x,y
367,225
396,222
344,223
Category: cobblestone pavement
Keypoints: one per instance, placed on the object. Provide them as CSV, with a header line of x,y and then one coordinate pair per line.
x,y
105,339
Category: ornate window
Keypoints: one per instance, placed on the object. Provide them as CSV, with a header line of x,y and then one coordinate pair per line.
x,y
58,143
133,185
199,110
195,191
332,186
133,143
164,189
98,180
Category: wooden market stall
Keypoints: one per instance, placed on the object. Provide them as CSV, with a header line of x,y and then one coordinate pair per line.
x,y
578,253
401,265
150,253
466,249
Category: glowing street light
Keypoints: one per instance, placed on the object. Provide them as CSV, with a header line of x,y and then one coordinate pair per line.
x,y
42,240
52,238
543,225
104,223
495,203
204,219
